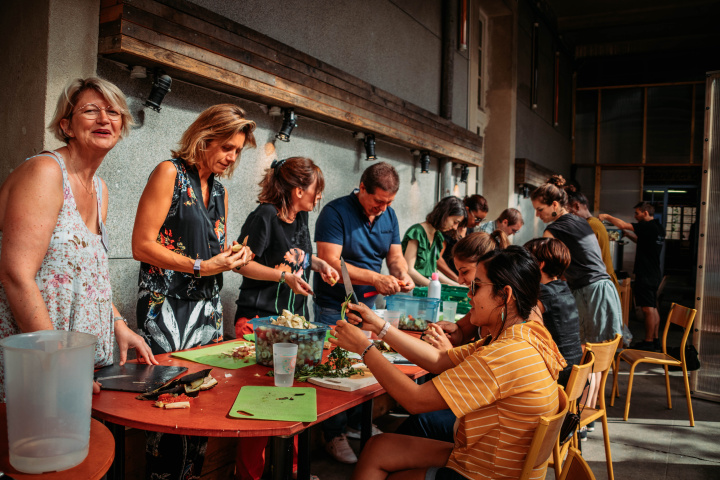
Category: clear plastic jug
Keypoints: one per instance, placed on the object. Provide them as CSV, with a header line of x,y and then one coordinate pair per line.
x,y
48,388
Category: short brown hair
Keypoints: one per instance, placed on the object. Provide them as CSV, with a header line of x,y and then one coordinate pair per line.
x,y
551,251
283,177
512,215
472,247
69,97
646,207
217,123
381,175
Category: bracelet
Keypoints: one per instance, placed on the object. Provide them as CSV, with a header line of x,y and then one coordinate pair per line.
x,y
384,331
282,277
119,319
362,357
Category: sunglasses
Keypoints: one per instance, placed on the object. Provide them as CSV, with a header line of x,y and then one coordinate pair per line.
x,y
475,286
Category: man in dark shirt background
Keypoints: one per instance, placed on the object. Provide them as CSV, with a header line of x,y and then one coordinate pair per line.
x,y
650,237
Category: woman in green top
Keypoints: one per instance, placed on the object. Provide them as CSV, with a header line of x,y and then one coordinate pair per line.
x,y
423,243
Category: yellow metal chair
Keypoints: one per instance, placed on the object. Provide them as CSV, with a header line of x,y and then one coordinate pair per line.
x,y
575,386
545,437
679,315
576,468
604,358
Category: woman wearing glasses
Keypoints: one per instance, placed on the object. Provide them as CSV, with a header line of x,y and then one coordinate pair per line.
x,y
54,261
476,209
512,380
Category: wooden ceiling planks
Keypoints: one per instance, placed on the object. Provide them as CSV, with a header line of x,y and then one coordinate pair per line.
x,y
199,46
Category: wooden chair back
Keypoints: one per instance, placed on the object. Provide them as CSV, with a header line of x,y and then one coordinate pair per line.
x,y
545,437
575,467
604,353
578,377
683,317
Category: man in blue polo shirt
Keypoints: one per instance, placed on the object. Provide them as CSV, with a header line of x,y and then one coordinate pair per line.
x,y
363,229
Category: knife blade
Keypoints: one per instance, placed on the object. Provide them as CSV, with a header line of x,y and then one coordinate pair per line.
x,y
348,287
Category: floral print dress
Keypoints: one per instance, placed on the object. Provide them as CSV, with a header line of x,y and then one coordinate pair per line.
x,y
74,278
177,311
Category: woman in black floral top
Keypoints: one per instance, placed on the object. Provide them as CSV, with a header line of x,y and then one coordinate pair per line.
x,y
179,237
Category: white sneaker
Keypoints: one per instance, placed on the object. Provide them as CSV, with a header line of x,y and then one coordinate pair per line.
x,y
340,450
355,434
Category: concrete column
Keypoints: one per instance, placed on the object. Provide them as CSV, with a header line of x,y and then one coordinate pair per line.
x,y
45,44
498,176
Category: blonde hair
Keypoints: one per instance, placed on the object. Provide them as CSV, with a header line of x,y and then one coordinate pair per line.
x,y
217,123
69,97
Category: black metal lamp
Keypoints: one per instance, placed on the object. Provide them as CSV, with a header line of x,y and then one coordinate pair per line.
x,y
289,122
425,162
370,147
464,173
160,88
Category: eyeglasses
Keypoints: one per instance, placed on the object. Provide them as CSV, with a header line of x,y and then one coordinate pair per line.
x,y
478,220
475,285
92,111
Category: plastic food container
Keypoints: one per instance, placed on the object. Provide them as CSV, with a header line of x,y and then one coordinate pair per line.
x,y
449,293
310,341
415,312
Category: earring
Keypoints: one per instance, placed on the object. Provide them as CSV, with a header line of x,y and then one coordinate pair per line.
x,y
554,214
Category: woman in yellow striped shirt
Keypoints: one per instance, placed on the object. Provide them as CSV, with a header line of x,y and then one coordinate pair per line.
x,y
498,388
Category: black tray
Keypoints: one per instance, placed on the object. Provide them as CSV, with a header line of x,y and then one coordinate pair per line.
x,y
136,377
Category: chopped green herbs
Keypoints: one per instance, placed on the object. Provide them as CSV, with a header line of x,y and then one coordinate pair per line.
x,y
338,365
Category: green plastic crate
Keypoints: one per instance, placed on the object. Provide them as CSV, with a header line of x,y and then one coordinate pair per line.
x,y
449,293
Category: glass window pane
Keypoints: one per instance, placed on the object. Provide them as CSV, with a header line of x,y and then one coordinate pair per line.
x,y
669,110
621,125
585,126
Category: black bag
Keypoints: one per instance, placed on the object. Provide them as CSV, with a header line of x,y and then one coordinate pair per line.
x,y
691,358
572,420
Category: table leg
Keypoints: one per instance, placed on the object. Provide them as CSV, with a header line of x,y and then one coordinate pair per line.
x,y
366,423
282,457
117,469
304,455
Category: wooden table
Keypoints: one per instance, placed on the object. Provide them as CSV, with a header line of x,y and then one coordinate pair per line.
x,y
96,464
208,415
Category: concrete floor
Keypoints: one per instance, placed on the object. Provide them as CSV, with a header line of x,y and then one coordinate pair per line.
x,y
655,443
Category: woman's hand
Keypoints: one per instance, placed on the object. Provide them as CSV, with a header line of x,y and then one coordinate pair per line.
x,y
451,331
96,387
349,337
328,273
127,339
298,285
436,337
226,260
371,321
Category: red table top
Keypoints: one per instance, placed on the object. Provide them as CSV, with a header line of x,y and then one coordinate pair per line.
x,y
94,467
208,415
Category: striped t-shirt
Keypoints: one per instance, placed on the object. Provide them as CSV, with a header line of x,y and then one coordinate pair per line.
x,y
499,392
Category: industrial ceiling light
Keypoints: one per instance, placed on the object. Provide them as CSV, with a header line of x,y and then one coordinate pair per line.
x,y
160,88
370,147
464,173
425,162
289,122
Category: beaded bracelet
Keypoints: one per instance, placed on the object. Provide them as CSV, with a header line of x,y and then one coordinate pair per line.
x,y
362,357
384,331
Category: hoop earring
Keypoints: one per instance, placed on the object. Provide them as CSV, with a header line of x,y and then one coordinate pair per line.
x,y
554,214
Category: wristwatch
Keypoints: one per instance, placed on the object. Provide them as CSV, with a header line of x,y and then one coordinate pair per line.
x,y
196,268
282,277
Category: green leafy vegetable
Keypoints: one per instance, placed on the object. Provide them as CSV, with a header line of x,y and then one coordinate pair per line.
x,y
338,365
343,307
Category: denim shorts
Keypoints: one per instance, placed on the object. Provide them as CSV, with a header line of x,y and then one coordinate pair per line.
x,y
600,312
443,473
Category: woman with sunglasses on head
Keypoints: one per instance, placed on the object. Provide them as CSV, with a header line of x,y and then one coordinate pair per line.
x,y
512,376
476,209
277,278
54,265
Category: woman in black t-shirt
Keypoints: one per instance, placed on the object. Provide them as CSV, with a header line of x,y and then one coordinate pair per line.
x,y
278,234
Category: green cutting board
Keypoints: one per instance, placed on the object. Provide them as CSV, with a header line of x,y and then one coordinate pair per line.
x,y
290,404
214,357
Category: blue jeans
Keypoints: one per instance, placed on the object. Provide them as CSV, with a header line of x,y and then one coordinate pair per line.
x,y
437,425
335,426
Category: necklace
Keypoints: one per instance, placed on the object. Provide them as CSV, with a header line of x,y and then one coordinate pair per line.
x,y
90,190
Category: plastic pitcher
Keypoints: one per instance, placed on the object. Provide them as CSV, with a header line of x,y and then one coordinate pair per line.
x,y
48,387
